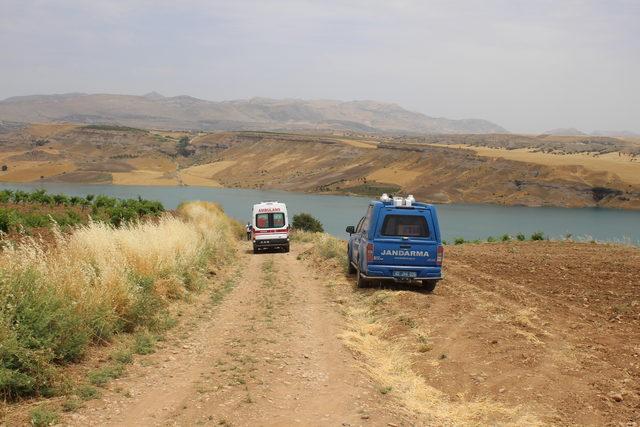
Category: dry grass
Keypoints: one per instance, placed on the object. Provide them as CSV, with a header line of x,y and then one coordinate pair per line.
x,y
390,365
98,282
325,247
610,163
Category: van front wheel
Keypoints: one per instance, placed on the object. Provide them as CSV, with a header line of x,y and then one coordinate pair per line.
x,y
286,248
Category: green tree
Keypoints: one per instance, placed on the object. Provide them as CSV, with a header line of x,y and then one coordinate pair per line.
x,y
306,222
183,147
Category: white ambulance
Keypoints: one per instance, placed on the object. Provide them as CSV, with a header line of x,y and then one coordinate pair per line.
x,y
270,226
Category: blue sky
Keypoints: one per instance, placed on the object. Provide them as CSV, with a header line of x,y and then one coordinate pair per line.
x,y
526,65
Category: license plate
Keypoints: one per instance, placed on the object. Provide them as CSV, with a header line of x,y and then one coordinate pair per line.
x,y
403,273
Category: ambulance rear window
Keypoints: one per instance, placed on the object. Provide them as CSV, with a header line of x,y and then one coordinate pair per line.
x,y
405,225
270,220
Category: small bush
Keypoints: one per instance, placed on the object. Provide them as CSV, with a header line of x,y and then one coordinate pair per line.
x,y
144,343
42,416
505,238
88,392
538,235
72,404
521,237
102,376
5,220
306,222
122,355
459,241
491,239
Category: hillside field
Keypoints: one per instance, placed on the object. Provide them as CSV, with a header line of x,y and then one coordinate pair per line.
x,y
502,169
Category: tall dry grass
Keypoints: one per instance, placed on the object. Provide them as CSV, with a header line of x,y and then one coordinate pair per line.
x,y
99,281
324,246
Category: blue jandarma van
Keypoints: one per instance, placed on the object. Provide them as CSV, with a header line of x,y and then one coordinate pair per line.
x,y
398,240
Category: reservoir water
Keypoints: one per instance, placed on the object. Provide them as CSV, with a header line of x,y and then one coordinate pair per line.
x,y
336,212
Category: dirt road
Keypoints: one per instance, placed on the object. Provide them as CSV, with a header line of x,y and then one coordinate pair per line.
x,y
267,354
517,334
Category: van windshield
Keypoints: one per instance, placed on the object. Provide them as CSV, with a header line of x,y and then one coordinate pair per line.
x,y
405,225
270,220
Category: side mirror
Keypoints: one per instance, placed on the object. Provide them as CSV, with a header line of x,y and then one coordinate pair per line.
x,y
351,229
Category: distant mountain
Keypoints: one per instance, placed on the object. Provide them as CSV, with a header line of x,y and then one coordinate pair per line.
x,y
565,132
184,112
615,133
577,132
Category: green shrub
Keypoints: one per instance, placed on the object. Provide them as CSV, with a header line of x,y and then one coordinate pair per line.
x,y
122,355
491,239
459,241
72,404
5,220
6,196
38,329
146,305
42,416
538,235
306,222
505,238
521,237
102,376
88,392
144,343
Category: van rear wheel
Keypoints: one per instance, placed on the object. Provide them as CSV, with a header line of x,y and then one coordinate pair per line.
x,y
361,282
351,269
429,285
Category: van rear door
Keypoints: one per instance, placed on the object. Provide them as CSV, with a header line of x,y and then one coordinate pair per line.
x,y
405,237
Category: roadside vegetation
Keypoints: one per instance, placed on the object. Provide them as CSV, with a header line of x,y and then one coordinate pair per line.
x,y
324,246
537,236
21,210
106,282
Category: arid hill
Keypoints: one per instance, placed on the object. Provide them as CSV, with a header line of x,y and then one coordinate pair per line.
x,y
184,112
502,169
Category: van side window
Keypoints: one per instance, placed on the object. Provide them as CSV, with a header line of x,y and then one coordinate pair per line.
x,y
367,219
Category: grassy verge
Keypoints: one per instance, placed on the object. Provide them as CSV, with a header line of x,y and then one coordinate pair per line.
x,y
96,284
324,246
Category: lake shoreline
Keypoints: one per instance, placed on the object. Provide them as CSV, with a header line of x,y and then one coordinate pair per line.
x,y
328,193
458,220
